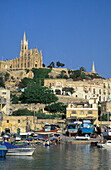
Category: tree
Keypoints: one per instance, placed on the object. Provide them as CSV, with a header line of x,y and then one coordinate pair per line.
x,y
40,74
38,94
39,114
52,65
26,82
62,65
82,69
62,75
56,107
15,99
58,64
2,82
7,76
23,112
43,65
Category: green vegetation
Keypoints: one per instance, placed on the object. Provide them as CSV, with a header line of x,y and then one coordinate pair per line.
x,y
51,65
77,75
39,76
58,64
26,82
15,99
37,94
62,75
82,69
39,114
23,112
104,117
56,107
7,76
2,82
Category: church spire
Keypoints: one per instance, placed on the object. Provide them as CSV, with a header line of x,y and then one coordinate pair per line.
x,y
24,38
93,68
24,44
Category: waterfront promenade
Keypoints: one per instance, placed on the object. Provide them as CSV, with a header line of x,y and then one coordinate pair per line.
x,y
72,140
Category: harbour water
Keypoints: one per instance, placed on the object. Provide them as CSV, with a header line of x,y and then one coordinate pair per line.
x,y
63,156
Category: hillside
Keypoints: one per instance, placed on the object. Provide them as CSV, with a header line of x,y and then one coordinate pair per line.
x,y
13,78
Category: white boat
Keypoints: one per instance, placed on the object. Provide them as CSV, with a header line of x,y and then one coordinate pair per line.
x,y
106,145
107,135
21,152
86,137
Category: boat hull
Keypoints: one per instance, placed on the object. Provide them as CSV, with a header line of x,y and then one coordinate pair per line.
x,y
21,152
3,151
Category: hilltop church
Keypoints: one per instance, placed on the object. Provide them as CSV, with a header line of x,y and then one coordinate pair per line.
x,y
28,58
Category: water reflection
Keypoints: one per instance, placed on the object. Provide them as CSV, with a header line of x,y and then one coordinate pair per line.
x,y
66,156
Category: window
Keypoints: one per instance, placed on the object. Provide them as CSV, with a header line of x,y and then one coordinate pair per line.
x,y
93,91
18,121
71,106
3,92
100,98
35,65
89,112
7,121
81,112
58,85
73,112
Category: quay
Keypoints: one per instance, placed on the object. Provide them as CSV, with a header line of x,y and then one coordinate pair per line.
x,y
73,140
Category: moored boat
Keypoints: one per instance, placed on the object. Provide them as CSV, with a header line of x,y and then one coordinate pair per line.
x,y
87,127
19,150
48,128
3,150
106,145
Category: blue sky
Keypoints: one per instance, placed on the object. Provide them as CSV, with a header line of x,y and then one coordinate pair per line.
x,y
74,32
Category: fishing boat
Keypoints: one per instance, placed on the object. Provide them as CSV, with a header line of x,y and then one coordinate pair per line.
x,y
72,128
106,145
3,150
48,128
86,137
86,127
18,150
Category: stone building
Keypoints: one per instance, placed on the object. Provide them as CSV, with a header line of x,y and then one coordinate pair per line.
x,y
106,108
99,89
80,112
28,58
4,101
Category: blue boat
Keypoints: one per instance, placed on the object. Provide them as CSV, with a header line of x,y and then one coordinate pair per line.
x,y
87,127
3,150
22,150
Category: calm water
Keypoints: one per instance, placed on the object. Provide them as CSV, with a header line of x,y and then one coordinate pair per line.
x,y
64,156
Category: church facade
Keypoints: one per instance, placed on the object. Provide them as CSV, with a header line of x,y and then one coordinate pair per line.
x,y
28,58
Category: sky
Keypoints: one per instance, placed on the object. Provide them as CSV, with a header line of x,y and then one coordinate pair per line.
x,y
74,32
